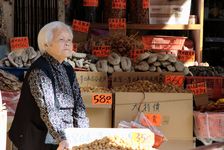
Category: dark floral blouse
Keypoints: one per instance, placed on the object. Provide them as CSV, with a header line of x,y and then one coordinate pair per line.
x,y
61,109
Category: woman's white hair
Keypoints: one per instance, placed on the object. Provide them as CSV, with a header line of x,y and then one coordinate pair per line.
x,y
46,33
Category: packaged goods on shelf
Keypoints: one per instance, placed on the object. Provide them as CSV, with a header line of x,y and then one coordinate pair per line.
x,y
158,42
169,12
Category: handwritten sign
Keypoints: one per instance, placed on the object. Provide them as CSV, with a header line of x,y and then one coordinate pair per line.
x,y
186,56
90,3
80,26
101,51
197,88
89,79
117,23
120,78
19,43
102,99
145,4
177,80
155,120
119,4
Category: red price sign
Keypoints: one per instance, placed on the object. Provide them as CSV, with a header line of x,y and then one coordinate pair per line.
x,y
186,56
101,51
90,3
119,4
19,42
145,4
117,23
134,54
101,99
75,47
197,88
177,80
80,26
155,119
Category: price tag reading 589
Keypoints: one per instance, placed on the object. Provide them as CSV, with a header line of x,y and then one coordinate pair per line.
x,y
101,99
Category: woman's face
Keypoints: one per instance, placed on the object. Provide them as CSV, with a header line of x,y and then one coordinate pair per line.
x,y
61,45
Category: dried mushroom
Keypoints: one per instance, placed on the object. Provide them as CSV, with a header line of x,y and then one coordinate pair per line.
x,y
102,66
126,63
114,59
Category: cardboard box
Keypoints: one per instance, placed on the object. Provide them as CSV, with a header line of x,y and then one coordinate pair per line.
x,y
100,115
120,78
178,145
174,110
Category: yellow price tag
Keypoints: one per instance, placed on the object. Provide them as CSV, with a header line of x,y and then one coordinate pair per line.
x,y
138,138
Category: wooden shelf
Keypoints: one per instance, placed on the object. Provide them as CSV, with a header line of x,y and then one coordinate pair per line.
x,y
153,27
215,19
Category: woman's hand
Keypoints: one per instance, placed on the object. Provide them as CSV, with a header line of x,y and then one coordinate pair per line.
x,y
64,145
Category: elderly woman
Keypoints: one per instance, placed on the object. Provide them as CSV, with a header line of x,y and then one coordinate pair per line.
x,y
50,98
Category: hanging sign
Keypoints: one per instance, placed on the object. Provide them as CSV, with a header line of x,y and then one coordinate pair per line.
x,y
80,26
19,43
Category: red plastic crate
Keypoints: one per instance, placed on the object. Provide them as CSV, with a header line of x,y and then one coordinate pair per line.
x,y
215,87
157,42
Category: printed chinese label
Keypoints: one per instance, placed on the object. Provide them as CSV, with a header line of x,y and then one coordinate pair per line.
x,y
119,4
19,43
90,3
186,56
155,120
117,23
101,51
101,99
197,88
80,26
